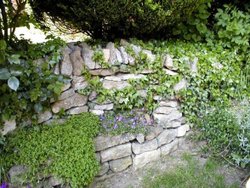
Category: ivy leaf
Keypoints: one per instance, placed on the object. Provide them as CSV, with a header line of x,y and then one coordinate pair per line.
x,y
4,74
13,83
14,59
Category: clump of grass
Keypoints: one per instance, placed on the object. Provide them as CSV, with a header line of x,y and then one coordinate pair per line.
x,y
191,175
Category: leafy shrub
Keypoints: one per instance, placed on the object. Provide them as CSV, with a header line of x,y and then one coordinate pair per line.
x,y
226,136
233,28
65,151
116,19
27,82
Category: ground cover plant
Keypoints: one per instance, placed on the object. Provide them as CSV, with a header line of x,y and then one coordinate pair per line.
x,y
65,151
116,123
190,175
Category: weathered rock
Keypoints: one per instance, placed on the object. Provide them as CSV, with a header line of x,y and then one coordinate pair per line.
x,y
104,107
45,116
104,169
92,96
107,84
97,112
9,125
56,69
54,181
113,78
150,56
66,65
142,93
168,148
154,132
147,71
102,72
170,72
118,56
166,136
162,119
66,94
157,98
16,174
181,85
163,110
87,54
141,160
78,110
106,54
66,87
138,148
79,83
181,131
168,62
124,55
116,152
74,101
113,59
140,138
104,142
120,164
130,76
136,49
172,124
193,65
172,104
77,61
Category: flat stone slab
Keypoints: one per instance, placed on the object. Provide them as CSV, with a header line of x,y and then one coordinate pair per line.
x,y
104,142
141,160
120,164
138,148
116,152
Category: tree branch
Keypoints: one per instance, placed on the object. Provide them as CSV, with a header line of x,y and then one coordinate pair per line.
x,y
5,20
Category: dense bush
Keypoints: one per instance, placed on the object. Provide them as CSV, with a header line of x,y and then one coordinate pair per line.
x,y
226,136
65,151
116,19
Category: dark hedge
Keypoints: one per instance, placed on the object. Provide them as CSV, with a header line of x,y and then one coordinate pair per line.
x,y
110,19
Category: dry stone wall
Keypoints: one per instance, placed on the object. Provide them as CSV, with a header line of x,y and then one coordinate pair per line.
x,y
117,153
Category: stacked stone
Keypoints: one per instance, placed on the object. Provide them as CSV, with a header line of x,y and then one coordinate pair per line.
x,y
77,57
118,153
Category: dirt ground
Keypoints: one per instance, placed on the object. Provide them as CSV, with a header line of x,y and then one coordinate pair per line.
x,y
134,179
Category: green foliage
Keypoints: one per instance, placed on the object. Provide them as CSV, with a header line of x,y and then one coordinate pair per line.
x,y
65,151
226,136
191,175
13,15
233,28
119,19
124,122
98,57
27,79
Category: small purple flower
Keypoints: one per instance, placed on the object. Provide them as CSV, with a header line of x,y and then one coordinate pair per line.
x,y
115,126
4,185
120,118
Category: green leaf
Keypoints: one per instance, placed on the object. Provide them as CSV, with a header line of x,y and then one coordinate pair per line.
x,y
4,74
3,45
14,59
13,83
